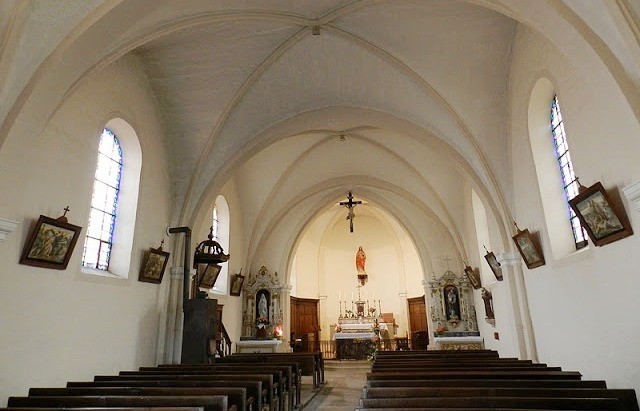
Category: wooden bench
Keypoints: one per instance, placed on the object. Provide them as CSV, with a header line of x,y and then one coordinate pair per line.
x,y
627,398
236,396
256,395
105,409
474,374
457,367
312,363
294,375
267,379
490,383
282,374
209,402
495,402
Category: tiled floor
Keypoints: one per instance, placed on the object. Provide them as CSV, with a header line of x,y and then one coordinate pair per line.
x,y
342,389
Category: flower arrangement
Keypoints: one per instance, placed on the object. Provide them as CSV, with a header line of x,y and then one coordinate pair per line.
x,y
338,328
372,311
441,329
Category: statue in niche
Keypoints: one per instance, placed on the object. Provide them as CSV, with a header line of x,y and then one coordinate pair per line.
x,y
452,302
262,307
488,303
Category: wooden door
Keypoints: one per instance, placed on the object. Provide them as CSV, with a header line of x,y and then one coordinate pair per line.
x,y
304,321
418,323
417,314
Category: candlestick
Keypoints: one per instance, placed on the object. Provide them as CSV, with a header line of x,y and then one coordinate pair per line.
x,y
379,309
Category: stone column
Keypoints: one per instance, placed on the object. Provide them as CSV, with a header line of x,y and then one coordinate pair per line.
x,y
285,305
404,315
322,313
520,304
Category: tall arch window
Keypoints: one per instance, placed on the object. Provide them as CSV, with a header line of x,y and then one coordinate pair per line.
x,y
104,203
220,221
569,181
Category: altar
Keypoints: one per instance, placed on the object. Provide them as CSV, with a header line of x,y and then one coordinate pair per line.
x,y
356,338
258,346
459,343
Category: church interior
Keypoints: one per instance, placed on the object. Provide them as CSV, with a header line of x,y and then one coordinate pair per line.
x,y
362,165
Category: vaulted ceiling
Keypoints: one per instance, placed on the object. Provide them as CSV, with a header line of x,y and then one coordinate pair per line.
x,y
294,103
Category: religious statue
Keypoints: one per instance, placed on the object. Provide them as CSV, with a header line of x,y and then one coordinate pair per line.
x,y
452,303
488,303
361,258
263,311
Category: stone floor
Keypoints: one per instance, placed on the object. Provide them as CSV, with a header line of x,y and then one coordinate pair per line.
x,y
342,389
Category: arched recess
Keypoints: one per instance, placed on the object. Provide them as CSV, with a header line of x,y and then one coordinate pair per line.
x,y
127,208
546,164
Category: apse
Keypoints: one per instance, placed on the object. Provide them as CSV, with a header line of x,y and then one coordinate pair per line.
x,y
324,265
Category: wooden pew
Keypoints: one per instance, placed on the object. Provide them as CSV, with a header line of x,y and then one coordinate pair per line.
x,y
479,374
312,363
255,393
283,374
294,375
494,402
209,402
105,409
237,396
627,398
268,381
490,383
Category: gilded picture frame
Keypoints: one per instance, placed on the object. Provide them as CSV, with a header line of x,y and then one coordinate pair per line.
x,y
474,277
209,275
601,219
529,249
494,265
236,285
50,243
155,263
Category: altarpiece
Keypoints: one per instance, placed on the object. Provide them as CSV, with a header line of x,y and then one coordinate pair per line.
x,y
453,313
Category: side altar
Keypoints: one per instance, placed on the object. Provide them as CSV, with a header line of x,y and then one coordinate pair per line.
x,y
262,308
453,314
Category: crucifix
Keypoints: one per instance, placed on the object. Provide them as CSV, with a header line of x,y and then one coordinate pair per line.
x,y
447,259
350,205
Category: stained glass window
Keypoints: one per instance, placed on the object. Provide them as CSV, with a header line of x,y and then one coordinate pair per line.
x,y
215,223
569,181
104,203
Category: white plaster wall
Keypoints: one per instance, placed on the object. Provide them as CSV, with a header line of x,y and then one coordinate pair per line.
x,y
584,305
66,325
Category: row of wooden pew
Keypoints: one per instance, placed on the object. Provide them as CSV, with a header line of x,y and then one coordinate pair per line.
x,y
480,380
256,382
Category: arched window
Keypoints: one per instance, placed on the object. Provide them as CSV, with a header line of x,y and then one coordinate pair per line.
x,y
569,181
220,222
104,203
114,203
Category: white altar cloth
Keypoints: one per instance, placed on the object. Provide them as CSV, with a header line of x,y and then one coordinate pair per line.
x,y
358,327
256,346
352,336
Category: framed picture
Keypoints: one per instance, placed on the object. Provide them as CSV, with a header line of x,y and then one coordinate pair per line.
x,y
236,285
473,276
208,275
495,265
529,249
597,214
50,243
154,264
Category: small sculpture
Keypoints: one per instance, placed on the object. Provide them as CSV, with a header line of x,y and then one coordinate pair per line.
x,y
488,303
